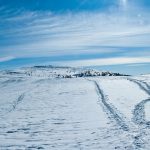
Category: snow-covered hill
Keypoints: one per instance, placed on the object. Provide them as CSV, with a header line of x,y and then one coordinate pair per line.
x,y
41,108
59,72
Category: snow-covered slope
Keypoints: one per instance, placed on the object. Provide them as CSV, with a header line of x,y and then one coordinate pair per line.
x,y
39,110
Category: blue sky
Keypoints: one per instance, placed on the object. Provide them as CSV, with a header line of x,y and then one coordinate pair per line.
x,y
105,34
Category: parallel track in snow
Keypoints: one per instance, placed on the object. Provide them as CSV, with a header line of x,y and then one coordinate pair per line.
x,y
138,114
115,114
143,85
139,110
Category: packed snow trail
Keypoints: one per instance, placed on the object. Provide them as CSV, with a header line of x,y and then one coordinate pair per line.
x,y
111,109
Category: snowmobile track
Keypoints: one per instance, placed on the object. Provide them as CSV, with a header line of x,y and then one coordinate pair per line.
x,y
111,109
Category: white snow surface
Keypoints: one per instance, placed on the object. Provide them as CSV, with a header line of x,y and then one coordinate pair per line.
x,y
40,111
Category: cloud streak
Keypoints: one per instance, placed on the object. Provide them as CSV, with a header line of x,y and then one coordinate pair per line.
x,y
113,35
71,31
107,61
8,58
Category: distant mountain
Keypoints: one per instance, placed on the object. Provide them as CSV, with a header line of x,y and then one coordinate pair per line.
x,y
60,72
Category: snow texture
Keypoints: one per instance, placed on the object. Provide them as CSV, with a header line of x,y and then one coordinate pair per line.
x,y
62,108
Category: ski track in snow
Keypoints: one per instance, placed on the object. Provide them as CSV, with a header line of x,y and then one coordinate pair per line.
x,y
15,103
110,108
138,114
20,97
139,111
143,85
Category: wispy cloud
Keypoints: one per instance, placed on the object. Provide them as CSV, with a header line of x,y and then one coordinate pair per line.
x,y
43,33
73,31
8,58
105,62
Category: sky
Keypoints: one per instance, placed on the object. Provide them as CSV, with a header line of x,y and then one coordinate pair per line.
x,y
109,35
